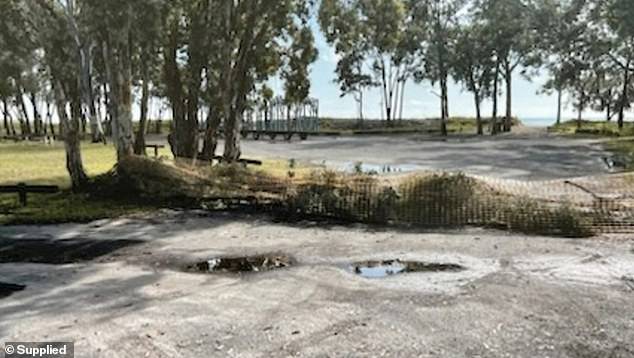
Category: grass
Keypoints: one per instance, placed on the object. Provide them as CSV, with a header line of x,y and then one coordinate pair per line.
x,y
593,128
36,163
350,126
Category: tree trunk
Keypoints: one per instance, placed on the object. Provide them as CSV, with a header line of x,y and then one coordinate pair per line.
x,y
210,141
7,118
139,142
508,75
70,128
119,75
387,98
26,123
444,105
400,115
624,95
232,137
37,118
494,116
49,119
122,124
478,101
96,129
559,100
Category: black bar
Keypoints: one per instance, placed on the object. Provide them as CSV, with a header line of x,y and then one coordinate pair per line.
x,y
22,190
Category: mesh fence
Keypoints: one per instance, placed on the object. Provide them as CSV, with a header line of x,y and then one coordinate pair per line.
x,y
570,208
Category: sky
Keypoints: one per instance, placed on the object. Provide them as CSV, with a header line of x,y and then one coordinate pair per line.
x,y
420,102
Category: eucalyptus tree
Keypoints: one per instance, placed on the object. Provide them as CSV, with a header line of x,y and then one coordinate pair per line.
x,y
339,25
79,20
564,33
513,33
369,37
295,71
614,21
189,32
46,22
254,36
17,58
115,25
436,26
146,65
474,66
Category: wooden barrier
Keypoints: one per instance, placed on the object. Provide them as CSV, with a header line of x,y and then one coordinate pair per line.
x,y
156,148
22,190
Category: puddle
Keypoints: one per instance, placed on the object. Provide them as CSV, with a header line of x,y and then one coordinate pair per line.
x,y
374,169
259,263
7,289
382,269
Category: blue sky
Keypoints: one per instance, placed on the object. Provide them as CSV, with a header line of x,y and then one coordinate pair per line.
x,y
419,101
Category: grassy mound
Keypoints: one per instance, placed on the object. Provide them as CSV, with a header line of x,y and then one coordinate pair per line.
x,y
433,201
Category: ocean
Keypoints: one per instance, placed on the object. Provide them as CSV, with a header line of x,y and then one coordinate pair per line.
x,y
538,121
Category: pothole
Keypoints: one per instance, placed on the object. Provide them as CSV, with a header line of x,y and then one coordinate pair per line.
x,y
387,268
242,264
7,289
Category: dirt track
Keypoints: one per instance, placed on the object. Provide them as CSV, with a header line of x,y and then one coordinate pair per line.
x,y
519,297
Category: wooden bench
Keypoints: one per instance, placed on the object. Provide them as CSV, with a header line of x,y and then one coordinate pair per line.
x,y
156,148
22,190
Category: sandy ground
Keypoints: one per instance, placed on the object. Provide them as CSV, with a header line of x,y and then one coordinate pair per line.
x,y
529,154
519,297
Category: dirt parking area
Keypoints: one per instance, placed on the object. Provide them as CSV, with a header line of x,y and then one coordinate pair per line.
x,y
126,288
535,155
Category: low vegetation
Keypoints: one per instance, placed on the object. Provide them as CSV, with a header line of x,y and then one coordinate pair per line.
x,y
433,200
431,125
593,128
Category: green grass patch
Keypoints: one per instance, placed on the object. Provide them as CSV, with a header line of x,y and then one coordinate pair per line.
x,y
37,163
593,128
432,125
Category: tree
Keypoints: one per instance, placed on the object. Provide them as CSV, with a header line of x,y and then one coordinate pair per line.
x,y
299,56
84,47
253,36
146,66
436,23
50,33
563,34
369,37
512,32
114,25
474,66
189,30
617,18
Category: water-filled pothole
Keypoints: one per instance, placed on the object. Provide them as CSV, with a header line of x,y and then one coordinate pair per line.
x,y
7,289
258,263
387,268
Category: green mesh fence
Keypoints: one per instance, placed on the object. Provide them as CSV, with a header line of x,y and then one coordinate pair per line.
x,y
570,208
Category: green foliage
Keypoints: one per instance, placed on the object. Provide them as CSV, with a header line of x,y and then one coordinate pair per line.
x,y
437,200
531,217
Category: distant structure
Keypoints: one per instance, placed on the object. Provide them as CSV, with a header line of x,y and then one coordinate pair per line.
x,y
277,117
